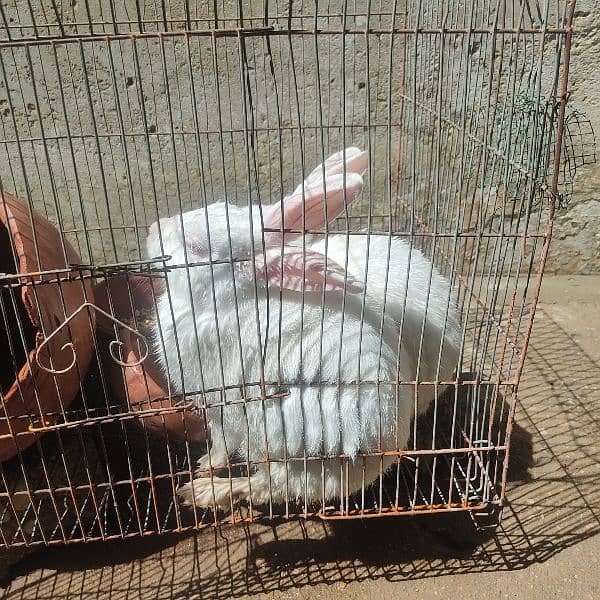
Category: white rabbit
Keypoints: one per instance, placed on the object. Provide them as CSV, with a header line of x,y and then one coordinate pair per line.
x,y
403,281
236,323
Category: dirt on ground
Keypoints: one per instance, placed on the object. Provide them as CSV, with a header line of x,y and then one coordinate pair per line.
x,y
547,545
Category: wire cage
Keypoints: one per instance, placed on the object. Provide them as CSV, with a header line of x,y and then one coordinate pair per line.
x,y
115,114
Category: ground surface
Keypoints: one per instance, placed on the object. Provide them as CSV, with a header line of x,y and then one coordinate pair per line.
x,y
546,547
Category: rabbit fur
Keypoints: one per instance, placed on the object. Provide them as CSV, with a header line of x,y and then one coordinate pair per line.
x,y
271,338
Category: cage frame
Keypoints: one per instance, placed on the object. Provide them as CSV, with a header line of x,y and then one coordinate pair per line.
x,y
495,496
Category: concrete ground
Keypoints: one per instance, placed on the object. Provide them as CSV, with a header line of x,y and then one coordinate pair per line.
x,y
547,545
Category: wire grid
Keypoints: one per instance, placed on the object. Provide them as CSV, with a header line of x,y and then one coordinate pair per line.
x,y
145,504
114,114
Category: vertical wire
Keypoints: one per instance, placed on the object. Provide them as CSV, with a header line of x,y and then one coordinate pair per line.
x,y
203,192
298,115
221,370
123,138
249,146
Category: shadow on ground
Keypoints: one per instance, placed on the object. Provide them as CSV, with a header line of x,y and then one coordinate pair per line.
x,y
554,504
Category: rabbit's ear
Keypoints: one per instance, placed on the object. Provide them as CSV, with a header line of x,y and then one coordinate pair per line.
x,y
353,159
319,202
294,267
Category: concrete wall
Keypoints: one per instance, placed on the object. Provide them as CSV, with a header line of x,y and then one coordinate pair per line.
x,y
104,136
576,242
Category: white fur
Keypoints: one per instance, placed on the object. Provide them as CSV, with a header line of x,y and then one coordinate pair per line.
x,y
336,418
210,345
402,285
414,294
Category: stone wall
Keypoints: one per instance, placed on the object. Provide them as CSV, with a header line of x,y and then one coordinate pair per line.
x,y
576,242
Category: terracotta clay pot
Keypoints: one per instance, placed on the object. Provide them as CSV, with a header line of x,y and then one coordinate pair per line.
x,y
141,387
34,398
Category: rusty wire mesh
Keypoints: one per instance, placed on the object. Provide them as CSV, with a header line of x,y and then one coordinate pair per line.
x,y
115,114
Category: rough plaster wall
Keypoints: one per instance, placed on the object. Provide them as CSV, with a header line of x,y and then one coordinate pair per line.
x,y
576,241
114,135
139,98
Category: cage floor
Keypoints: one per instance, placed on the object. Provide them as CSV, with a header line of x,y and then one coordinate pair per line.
x,y
72,502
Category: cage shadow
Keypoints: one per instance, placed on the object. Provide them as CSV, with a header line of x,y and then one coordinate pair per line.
x,y
554,503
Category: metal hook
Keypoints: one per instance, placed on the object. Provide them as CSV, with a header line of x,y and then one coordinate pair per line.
x,y
119,343
70,345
